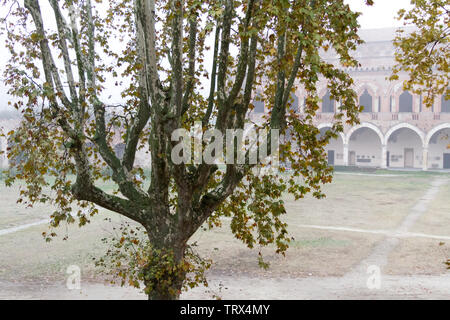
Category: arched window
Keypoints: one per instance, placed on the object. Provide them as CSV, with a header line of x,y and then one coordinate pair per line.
x,y
405,102
20,157
445,104
119,150
327,103
294,104
366,101
259,105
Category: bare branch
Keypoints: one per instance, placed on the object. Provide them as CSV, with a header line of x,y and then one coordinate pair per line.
x,y
212,88
146,33
243,57
177,58
64,51
223,63
50,70
191,57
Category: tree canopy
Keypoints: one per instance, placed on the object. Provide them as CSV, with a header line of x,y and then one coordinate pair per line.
x,y
172,63
424,53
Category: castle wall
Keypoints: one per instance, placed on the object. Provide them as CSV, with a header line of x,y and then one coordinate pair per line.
x,y
3,153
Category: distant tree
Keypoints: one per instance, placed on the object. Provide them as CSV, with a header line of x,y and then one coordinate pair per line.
x,y
424,54
64,64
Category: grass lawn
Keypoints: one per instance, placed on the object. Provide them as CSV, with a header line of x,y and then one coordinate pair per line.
x,y
26,256
370,201
13,214
366,202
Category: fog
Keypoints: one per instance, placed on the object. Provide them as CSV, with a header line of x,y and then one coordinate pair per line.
x,y
381,15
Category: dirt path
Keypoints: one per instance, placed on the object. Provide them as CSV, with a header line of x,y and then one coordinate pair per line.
x,y
23,226
379,255
394,287
395,233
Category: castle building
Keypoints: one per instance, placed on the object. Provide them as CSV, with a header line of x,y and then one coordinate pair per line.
x,y
396,130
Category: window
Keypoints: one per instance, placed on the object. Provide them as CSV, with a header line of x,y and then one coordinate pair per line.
x,y
366,101
259,105
405,102
21,157
327,103
445,104
119,150
293,103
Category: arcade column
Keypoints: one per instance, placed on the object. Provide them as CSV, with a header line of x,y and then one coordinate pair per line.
x,y
345,154
383,156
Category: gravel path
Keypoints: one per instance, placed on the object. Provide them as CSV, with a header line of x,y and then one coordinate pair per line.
x,y
243,287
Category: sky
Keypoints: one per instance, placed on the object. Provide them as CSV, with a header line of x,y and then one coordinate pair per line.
x,y
381,15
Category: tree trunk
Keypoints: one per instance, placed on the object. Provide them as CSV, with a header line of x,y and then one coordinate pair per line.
x,y
166,295
168,284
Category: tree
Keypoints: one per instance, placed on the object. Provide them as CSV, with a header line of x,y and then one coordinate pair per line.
x,y
62,69
424,53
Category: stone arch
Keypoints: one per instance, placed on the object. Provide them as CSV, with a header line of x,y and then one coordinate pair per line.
x,y
405,149
435,130
364,125
330,125
364,143
371,87
335,147
373,90
366,100
407,126
437,147
322,89
395,89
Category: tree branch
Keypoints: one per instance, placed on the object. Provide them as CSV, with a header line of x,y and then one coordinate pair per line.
x,y
191,57
212,88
